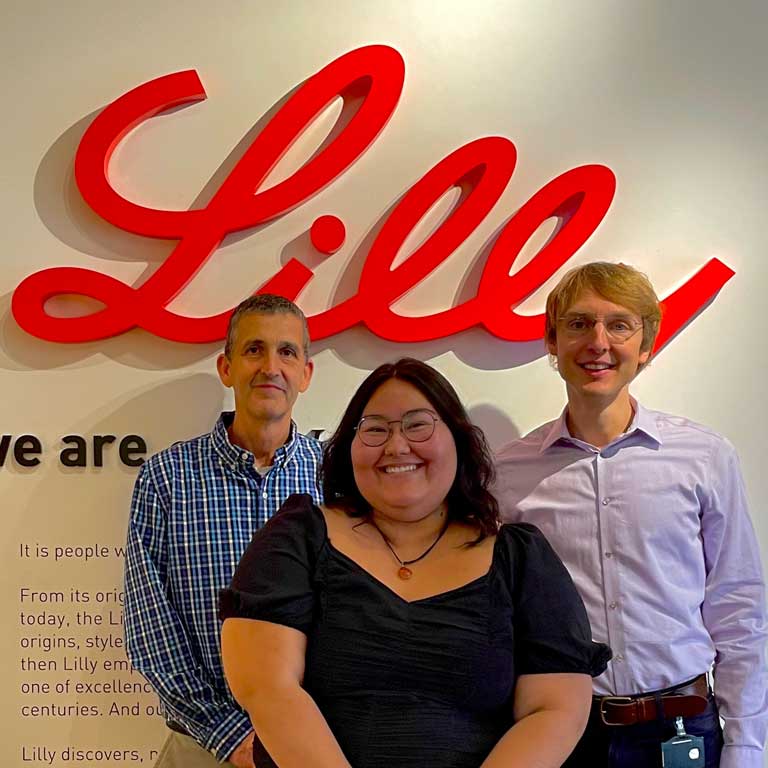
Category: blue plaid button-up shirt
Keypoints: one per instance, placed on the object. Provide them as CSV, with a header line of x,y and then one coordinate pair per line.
x,y
195,507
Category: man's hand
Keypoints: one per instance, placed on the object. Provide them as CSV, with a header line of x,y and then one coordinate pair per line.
x,y
242,757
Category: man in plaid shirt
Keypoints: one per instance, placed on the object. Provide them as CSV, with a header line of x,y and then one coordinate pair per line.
x,y
195,507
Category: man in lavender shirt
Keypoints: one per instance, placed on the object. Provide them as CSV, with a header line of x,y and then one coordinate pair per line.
x,y
649,513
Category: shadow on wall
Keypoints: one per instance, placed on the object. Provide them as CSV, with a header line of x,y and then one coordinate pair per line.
x,y
89,507
67,216
138,349
364,350
499,429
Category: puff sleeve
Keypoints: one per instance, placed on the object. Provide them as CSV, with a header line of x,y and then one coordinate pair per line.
x,y
274,580
552,632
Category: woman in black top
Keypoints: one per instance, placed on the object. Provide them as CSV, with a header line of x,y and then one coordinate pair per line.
x,y
400,626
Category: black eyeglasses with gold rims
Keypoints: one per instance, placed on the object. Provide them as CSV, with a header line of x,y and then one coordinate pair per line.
x,y
416,426
618,328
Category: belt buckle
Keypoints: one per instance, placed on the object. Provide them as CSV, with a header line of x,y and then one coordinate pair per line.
x,y
611,700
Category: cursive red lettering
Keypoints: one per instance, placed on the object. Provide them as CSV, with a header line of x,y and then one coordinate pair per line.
x,y
481,170
370,79
372,75
578,199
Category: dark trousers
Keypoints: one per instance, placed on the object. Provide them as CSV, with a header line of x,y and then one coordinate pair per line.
x,y
639,746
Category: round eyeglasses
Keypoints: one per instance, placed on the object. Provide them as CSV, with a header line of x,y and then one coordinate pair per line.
x,y
416,426
618,328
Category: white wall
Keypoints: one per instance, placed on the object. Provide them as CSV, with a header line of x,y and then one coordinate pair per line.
x,y
670,96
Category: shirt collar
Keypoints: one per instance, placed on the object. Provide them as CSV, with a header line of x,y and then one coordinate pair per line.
x,y
643,421
558,431
236,456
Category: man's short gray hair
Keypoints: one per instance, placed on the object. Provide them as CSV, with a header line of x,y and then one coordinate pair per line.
x,y
265,304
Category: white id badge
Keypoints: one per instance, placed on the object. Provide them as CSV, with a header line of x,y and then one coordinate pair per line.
x,y
682,750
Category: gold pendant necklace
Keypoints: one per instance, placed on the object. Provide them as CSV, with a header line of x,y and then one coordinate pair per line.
x,y
404,572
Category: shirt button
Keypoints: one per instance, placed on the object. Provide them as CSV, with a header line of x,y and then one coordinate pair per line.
x,y
609,555
613,606
606,501
263,495
619,657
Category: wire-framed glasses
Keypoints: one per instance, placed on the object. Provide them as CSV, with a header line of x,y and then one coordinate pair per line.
x,y
618,328
416,426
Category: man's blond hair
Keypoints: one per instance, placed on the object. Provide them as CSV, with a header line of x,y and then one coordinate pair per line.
x,y
618,283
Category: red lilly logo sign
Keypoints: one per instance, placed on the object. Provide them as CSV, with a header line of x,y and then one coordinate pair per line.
x,y
373,78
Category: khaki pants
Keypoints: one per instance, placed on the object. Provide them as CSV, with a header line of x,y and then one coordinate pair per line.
x,y
180,751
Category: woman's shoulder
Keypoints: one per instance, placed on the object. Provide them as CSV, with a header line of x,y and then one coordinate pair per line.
x,y
300,516
523,547
298,504
521,535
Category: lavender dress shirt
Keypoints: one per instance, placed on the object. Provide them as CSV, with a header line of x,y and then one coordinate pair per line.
x,y
655,531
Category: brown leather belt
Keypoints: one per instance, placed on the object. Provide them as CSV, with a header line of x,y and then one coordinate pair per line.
x,y
684,700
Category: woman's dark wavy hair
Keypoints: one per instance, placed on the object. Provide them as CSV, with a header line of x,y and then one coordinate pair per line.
x,y
468,500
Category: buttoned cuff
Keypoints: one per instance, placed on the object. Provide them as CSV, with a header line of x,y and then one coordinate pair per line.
x,y
228,735
741,757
